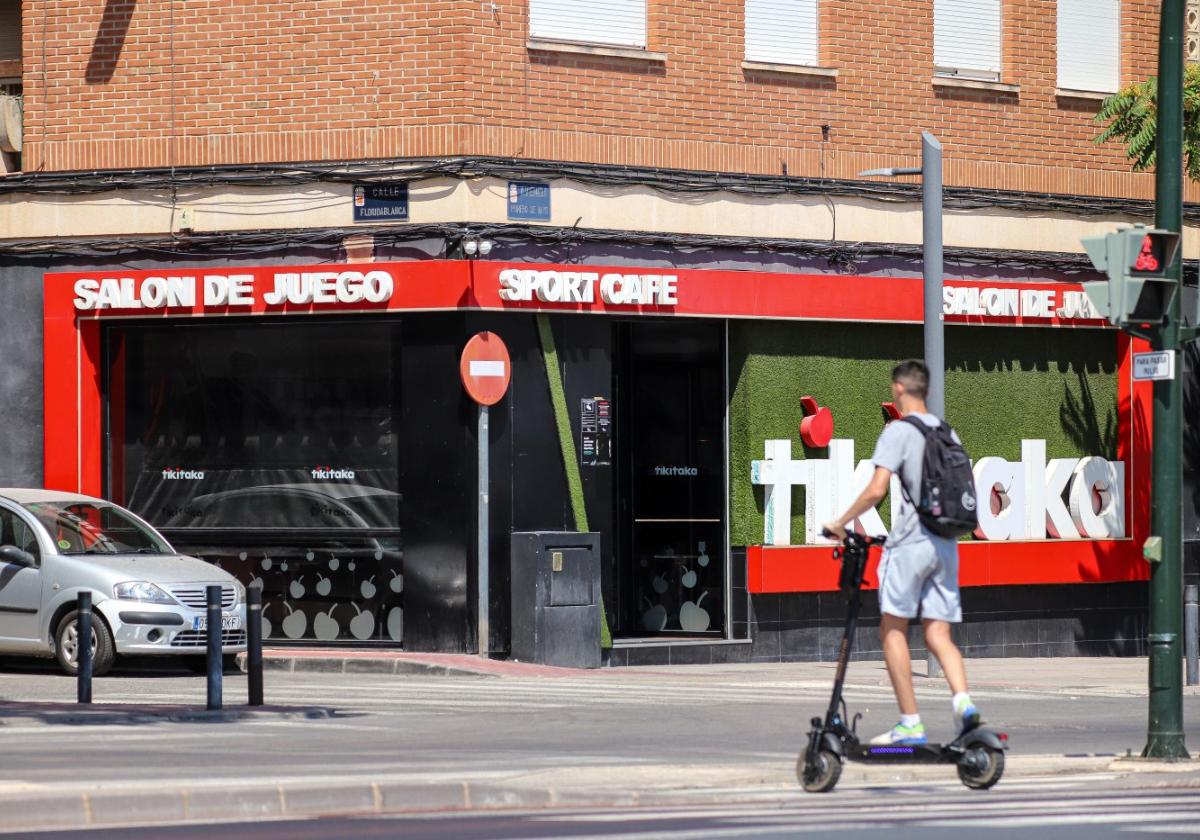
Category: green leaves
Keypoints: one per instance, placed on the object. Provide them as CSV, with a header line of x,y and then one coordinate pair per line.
x,y
1130,115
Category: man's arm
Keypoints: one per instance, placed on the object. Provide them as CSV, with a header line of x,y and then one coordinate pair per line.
x,y
869,498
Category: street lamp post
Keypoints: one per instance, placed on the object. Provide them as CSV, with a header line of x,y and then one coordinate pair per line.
x,y
930,171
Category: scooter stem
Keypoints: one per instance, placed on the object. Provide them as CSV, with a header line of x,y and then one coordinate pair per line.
x,y
839,679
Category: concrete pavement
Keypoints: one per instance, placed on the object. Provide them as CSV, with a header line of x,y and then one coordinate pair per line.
x,y
350,742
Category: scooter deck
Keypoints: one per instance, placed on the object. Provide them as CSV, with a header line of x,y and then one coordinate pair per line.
x,y
902,753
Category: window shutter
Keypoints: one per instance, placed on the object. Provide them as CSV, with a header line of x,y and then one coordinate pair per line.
x,y
966,37
618,22
1089,45
10,30
781,31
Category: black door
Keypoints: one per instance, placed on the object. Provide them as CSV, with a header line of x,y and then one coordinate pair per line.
x,y
671,399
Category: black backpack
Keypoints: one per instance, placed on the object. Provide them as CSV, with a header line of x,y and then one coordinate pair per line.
x,y
948,503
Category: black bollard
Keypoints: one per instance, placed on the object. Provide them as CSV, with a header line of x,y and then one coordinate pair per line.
x,y
254,664
83,646
214,647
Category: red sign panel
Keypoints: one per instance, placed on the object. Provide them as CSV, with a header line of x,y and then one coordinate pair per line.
x,y
485,368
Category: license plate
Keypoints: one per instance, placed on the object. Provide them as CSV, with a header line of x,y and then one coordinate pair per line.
x,y
229,621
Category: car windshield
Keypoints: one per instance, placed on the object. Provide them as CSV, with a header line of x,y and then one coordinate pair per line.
x,y
90,528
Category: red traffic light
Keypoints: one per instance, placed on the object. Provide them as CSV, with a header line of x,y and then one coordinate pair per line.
x,y
1151,253
1147,260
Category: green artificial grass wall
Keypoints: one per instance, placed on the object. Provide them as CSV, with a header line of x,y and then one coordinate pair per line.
x,y
1002,384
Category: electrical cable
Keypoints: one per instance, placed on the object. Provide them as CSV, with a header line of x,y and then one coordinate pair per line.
x,y
676,181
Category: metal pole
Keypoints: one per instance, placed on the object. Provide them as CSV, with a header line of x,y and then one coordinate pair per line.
x,y
482,529
932,264
931,223
213,634
1191,632
1165,730
83,646
254,659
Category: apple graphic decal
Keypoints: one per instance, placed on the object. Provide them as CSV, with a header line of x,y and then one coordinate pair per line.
x,y
655,618
659,584
296,588
351,565
325,627
378,554
266,623
323,585
241,555
363,624
295,623
703,558
334,563
255,581
692,618
395,624
368,588
689,578
308,555
283,566
397,581
266,564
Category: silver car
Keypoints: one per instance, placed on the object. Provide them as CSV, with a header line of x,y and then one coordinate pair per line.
x,y
147,598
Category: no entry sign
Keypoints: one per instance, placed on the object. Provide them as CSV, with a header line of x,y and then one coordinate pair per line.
x,y
485,368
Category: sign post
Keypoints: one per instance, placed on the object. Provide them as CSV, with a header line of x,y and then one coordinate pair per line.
x,y
485,369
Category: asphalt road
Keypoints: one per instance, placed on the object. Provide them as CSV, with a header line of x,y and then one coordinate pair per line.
x,y
1088,808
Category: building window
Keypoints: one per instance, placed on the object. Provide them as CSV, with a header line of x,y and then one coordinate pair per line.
x,y
966,38
782,31
614,22
1089,45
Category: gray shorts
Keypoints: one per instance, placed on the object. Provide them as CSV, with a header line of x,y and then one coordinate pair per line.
x,y
921,577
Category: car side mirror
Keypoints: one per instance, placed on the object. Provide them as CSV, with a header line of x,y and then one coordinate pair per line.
x,y
16,556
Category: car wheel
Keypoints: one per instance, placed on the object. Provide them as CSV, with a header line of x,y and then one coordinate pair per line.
x,y
66,645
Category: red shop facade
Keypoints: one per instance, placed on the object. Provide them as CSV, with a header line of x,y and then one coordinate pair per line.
x,y
304,427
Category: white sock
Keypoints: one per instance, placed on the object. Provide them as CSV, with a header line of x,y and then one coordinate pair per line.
x,y
910,720
960,700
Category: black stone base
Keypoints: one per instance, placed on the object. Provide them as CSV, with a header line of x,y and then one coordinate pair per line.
x,y
1095,619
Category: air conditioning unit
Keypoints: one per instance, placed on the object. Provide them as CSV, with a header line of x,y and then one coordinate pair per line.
x,y
11,110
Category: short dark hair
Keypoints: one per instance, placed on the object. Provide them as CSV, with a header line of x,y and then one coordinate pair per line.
x,y
914,376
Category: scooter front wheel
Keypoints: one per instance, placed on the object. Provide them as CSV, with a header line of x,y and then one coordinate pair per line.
x,y
821,775
981,767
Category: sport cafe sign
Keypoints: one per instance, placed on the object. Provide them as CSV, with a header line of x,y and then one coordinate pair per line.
x,y
1035,498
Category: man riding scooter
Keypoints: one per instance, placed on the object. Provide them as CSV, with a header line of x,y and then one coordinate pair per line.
x,y
918,574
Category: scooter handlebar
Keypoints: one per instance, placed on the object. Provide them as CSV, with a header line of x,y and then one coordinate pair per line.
x,y
853,538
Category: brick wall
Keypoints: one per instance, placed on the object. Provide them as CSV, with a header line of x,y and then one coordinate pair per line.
x,y
306,80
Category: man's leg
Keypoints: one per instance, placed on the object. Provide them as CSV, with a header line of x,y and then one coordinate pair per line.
x,y
938,640
893,633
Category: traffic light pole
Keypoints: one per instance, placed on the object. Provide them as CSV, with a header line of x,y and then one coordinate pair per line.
x,y
1165,733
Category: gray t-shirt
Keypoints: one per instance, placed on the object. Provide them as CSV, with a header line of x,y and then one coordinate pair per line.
x,y
901,449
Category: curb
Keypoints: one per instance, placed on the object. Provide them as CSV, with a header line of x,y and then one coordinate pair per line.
x,y
362,665
27,809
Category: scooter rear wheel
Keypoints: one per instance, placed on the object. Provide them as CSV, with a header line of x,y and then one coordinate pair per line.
x,y
821,775
981,767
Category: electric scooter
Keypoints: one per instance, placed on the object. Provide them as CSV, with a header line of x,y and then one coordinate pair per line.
x,y
978,752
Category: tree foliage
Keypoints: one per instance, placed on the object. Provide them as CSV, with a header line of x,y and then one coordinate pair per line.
x,y
1131,115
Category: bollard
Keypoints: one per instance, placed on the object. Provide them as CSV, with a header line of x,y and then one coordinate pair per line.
x,y
254,663
83,646
933,668
1191,632
214,647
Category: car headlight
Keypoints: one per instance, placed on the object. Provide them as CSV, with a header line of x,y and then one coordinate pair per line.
x,y
141,590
